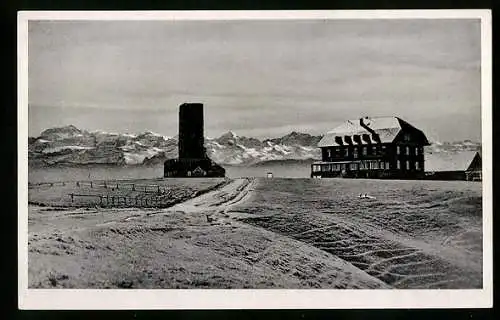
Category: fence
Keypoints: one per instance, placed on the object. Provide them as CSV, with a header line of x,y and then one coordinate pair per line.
x,y
115,194
49,184
123,201
146,188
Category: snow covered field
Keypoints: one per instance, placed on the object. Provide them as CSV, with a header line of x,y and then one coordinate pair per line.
x,y
414,234
269,233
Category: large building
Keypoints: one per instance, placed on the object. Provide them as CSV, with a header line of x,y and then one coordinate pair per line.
x,y
385,147
193,160
462,165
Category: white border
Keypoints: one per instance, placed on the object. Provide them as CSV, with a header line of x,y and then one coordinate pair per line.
x,y
253,299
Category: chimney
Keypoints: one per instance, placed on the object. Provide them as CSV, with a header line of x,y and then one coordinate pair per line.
x,y
375,136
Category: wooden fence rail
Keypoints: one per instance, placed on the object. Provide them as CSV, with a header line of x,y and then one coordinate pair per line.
x,y
146,188
51,184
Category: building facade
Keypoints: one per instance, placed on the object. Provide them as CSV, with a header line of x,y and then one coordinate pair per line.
x,y
387,147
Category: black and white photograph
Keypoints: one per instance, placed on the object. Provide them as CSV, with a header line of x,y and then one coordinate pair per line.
x,y
328,157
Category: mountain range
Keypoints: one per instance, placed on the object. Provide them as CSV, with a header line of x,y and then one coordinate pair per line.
x,y
70,145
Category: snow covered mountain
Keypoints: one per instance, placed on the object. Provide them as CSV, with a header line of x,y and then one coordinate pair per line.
x,y
70,145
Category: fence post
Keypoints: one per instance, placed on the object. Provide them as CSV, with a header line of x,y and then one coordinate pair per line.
x,y
133,187
113,199
105,185
78,184
158,189
71,197
91,184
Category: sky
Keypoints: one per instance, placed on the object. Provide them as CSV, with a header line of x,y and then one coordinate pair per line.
x,y
255,78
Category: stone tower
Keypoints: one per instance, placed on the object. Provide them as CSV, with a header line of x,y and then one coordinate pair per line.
x,y
191,139
193,160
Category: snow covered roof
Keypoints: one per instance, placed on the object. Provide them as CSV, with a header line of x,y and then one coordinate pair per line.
x,y
387,129
453,161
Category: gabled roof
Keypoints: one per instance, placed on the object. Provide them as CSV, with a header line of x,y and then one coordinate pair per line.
x,y
453,161
386,127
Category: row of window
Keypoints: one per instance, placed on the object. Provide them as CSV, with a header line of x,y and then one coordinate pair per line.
x,y
407,150
407,165
363,165
374,149
355,152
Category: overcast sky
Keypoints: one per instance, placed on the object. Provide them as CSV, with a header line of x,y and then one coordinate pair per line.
x,y
256,78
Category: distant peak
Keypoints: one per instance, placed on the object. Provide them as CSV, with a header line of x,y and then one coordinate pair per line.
x,y
229,134
65,130
67,127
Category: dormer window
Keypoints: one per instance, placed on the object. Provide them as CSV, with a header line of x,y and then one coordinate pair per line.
x,y
398,150
408,150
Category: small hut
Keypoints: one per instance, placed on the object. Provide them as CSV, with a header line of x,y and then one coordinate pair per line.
x,y
463,165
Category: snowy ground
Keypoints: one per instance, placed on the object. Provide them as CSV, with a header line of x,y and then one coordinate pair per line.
x,y
195,244
414,234
269,233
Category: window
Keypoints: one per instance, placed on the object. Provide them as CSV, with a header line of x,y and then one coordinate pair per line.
x,y
346,152
407,137
329,153
352,166
407,165
417,166
399,164
344,166
382,165
364,151
387,165
355,153
416,151
398,150
408,150
374,150
375,164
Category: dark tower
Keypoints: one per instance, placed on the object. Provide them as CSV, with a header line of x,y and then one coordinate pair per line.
x,y
191,138
193,160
